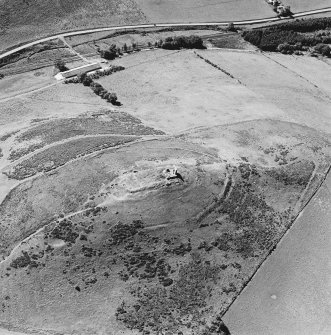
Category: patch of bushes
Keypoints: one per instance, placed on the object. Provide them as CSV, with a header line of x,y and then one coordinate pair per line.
x,y
2,76
121,232
323,49
306,25
290,37
297,174
60,65
269,39
111,53
24,261
175,305
182,42
64,231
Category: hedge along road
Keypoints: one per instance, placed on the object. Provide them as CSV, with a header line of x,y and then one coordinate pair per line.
x,y
162,25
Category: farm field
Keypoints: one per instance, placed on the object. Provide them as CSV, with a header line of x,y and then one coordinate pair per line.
x,y
304,5
204,11
289,295
182,102
259,72
25,82
55,101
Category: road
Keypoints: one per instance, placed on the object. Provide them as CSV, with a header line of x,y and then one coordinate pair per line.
x,y
160,25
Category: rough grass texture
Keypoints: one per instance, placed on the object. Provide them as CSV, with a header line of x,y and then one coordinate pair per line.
x,y
163,257
58,155
120,123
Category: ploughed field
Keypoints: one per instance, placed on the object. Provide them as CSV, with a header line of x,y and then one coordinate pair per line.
x,y
152,216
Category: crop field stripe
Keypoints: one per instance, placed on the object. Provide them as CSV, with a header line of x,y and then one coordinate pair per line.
x,y
280,239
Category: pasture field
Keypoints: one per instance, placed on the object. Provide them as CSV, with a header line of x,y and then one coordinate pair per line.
x,y
54,101
171,80
25,82
302,95
204,11
305,5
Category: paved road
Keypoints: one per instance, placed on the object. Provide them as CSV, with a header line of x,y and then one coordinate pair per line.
x,y
193,24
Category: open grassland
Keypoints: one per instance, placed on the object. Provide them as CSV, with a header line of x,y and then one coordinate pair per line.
x,y
104,122
288,85
236,86
25,82
187,92
56,101
21,21
58,155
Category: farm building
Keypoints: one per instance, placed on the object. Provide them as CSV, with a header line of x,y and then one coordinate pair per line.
x,y
78,70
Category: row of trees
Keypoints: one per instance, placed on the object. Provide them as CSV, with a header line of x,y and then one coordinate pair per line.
x,y
98,89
